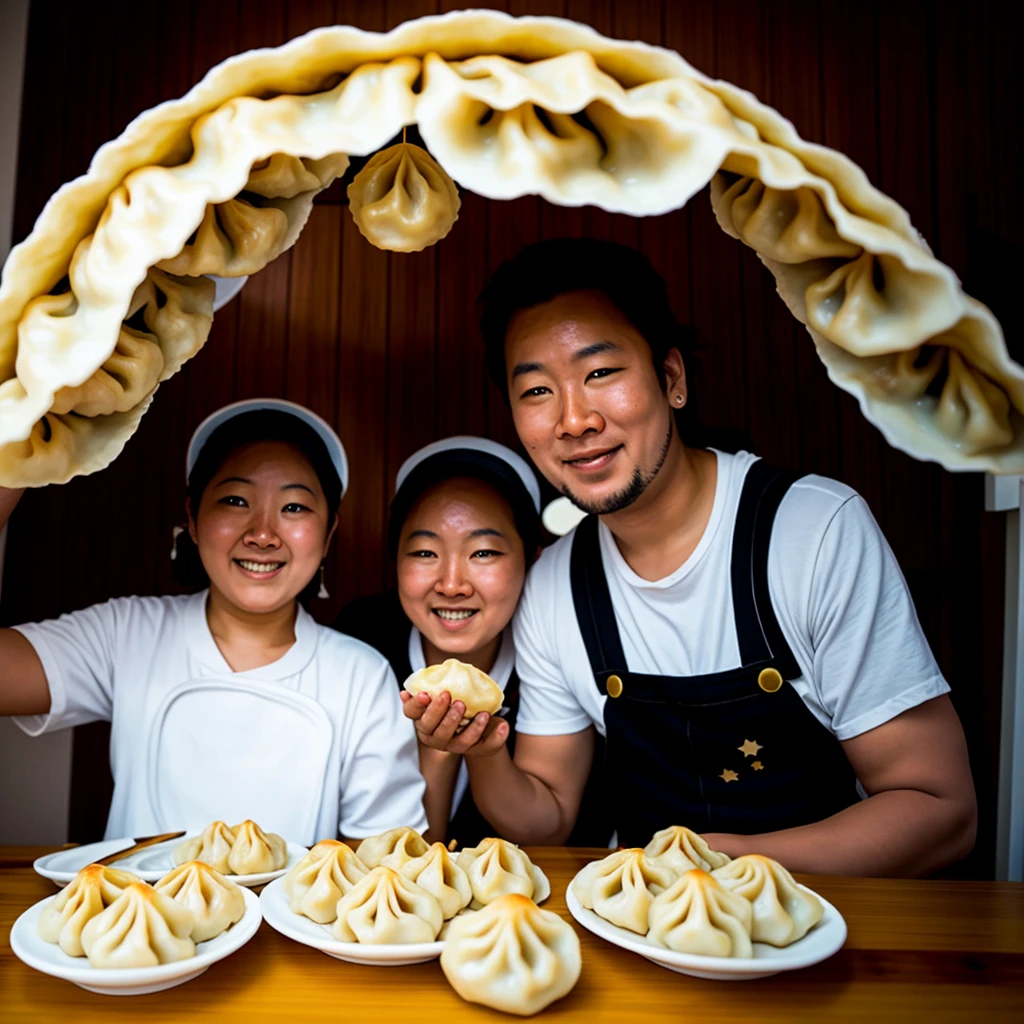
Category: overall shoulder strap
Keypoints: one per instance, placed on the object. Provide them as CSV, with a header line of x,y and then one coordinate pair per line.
x,y
593,602
757,628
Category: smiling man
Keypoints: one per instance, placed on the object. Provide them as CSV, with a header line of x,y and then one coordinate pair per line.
x,y
741,635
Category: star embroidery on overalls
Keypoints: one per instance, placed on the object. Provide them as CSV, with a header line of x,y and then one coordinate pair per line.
x,y
749,748
728,775
757,766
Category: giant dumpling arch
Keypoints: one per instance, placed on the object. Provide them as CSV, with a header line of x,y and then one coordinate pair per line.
x,y
105,298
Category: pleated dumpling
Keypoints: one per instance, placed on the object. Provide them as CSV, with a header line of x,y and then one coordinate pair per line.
x,y
385,908
621,887
438,873
216,902
212,847
403,199
476,689
683,850
89,893
392,848
511,956
329,871
696,915
256,852
497,867
141,928
783,912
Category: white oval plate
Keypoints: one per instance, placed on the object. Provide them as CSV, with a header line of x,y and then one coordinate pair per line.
x,y
279,916
150,864
824,939
49,958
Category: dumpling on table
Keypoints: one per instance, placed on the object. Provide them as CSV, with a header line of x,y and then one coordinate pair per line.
x,y
329,871
438,873
497,867
683,850
215,901
89,893
212,847
511,956
783,912
392,848
696,915
141,928
255,852
621,887
385,908
476,689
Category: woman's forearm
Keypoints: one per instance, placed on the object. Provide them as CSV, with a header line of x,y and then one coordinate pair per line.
x,y
518,805
440,771
897,833
8,499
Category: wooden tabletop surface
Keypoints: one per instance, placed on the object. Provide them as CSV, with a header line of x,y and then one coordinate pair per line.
x,y
917,950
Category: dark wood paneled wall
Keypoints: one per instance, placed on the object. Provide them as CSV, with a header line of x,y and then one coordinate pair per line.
x,y
923,95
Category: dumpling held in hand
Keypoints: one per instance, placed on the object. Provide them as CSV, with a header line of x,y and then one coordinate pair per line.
x,y
511,956
141,928
476,689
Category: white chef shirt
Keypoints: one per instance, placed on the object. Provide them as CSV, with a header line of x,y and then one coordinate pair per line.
x,y
116,661
501,672
835,586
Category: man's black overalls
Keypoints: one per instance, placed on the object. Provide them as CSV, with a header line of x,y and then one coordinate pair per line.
x,y
674,743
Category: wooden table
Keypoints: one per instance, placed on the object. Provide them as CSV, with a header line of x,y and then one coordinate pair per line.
x,y
930,951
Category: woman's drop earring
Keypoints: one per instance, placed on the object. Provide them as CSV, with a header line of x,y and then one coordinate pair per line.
x,y
322,592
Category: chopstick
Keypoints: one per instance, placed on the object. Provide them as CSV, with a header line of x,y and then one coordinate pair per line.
x,y
140,844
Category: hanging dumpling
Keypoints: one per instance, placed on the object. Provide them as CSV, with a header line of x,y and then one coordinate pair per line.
x,y
621,887
392,848
476,689
682,850
256,852
216,903
89,893
314,886
696,915
512,956
403,200
497,867
212,847
438,873
385,908
141,928
783,912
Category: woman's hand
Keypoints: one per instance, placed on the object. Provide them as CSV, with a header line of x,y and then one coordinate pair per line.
x,y
437,719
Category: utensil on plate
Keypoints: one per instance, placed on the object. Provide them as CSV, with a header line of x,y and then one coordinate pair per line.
x,y
140,844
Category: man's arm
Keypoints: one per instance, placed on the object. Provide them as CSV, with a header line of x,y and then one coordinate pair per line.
x,y
920,814
533,799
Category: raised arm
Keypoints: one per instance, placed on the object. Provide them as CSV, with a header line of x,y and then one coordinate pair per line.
x,y
23,688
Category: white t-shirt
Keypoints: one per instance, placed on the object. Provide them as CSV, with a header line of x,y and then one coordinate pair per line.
x,y
501,672
835,586
122,661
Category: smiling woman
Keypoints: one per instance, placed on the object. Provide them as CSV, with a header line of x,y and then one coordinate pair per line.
x,y
232,703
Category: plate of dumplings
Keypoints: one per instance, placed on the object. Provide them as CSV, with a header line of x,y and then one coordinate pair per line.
x,y
245,853
693,910
111,932
392,899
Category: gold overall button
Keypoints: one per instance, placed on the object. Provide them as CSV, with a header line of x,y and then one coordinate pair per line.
x,y
769,679
614,686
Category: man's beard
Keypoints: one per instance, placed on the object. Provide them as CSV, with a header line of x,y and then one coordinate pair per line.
x,y
624,498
